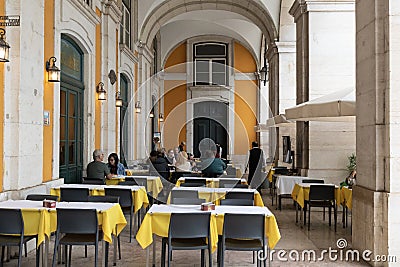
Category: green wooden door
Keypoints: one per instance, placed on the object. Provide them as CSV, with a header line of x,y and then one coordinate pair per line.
x,y
71,112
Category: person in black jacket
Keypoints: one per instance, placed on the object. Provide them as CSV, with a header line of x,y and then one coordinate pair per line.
x,y
158,165
255,165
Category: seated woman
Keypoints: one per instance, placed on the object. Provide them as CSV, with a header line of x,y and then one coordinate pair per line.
x,y
116,168
212,167
182,163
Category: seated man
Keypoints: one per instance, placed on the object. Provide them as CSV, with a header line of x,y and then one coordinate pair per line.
x,y
212,167
97,169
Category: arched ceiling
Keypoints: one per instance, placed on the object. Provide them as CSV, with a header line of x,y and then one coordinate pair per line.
x,y
262,13
210,22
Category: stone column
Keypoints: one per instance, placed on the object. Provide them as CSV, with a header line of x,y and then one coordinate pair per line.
x,y
376,198
281,58
324,64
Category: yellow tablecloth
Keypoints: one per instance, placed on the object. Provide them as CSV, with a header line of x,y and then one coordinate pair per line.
x,y
153,185
210,182
215,197
347,197
37,222
270,173
158,223
140,198
131,172
301,193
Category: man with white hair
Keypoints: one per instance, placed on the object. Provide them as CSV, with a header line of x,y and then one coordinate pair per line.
x,y
97,169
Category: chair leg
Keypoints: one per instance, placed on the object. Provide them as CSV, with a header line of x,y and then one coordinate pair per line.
x,y
26,250
305,213
119,248
330,216
96,248
70,256
335,214
66,255
209,256
85,251
163,248
2,255
202,258
309,216
53,263
130,226
323,215
169,256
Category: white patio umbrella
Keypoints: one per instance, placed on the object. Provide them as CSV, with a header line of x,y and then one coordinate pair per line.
x,y
278,121
337,106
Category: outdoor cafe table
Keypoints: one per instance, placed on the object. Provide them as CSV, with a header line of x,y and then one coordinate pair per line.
x,y
158,217
301,193
139,193
211,182
154,183
42,221
215,194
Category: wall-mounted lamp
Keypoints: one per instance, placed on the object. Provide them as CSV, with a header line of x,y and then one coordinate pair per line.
x,y
138,107
52,70
264,74
4,47
118,100
160,117
151,114
100,90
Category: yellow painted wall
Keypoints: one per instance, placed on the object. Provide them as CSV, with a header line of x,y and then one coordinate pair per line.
x,y
245,101
48,94
2,11
174,100
244,61
97,120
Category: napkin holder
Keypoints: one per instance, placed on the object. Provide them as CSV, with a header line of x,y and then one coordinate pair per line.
x,y
207,206
49,203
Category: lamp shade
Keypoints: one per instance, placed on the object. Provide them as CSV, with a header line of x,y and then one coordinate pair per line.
x,y
118,100
102,94
263,74
138,107
161,117
52,70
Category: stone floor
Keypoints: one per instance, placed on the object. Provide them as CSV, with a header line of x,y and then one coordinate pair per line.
x,y
295,239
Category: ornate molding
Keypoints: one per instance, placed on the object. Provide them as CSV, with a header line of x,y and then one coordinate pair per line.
x,y
112,9
85,10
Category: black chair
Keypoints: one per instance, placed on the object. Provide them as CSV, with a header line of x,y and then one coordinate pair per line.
x,y
76,227
140,181
86,180
228,176
312,181
245,186
12,233
236,202
196,181
192,185
127,183
191,174
230,170
187,201
228,183
188,231
125,201
239,195
239,236
321,196
106,199
41,197
184,194
74,194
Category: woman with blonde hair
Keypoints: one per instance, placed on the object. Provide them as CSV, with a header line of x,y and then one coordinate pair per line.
x,y
182,163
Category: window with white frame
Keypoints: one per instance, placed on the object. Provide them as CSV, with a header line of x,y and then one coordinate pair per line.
x,y
210,64
125,25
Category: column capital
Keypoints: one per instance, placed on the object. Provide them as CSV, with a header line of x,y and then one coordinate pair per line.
x,y
272,51
300,7
111,8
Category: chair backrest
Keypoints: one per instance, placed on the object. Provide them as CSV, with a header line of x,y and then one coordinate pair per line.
x,y
187,201
322,192
189,225
195,180
230,170
239,195
11,221
41,197
246,226
74,194
184,194
236,202
140,181
125,195
107,199
188,174
228,176
192,185
86,180
77,221
281,170
242,186
312,181
227,183
128,183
